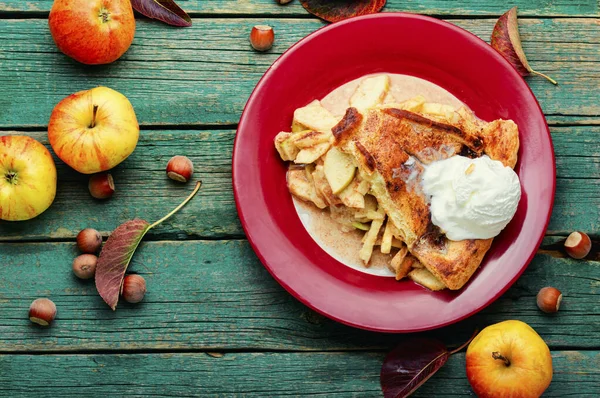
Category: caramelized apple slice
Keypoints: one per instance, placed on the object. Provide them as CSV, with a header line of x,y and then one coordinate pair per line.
x,y
310,155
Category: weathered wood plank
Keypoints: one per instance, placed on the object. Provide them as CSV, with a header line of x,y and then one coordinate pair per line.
x,y
254,375
144,191
202,75
214,295
534,8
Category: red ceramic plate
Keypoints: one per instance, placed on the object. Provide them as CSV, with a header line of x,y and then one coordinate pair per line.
x,y
396,43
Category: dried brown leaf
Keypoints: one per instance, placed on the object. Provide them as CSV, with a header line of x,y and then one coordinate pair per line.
x,y
118,251
337,10
166,11
507,41
412,363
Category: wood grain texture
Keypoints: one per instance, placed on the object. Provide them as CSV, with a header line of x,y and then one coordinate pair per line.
x,y
143,190
534,8
215,295
254,375
200,76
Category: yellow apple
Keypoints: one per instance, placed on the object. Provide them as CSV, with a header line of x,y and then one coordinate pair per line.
x,y
93,130
509,360
27,178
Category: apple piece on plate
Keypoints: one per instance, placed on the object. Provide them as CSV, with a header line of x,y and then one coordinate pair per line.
x,y
309,155
27,178
309,138
351,197
370,92
447,112
323,187
300,187
93,130
339,170
425,278
414,104
284,145
313,117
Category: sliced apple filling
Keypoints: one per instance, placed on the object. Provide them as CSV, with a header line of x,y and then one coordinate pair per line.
x,y
328,178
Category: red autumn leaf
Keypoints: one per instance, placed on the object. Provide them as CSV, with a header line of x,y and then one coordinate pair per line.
x,y
118,251
507,41
115,257
337,10
412,363
163,10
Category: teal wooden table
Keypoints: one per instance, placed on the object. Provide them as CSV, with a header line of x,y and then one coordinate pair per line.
x,y
214,323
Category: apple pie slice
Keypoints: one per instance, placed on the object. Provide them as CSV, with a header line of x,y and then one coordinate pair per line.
x,y
391,145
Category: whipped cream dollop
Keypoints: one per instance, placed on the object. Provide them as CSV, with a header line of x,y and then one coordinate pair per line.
x,y
471,198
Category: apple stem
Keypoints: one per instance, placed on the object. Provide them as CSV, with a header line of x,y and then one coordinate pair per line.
x,y
11,177
551,80
497,355
95,111
198,185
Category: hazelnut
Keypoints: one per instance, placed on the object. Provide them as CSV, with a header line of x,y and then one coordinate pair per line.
x,y
548,299
180,168
42,311
84,266
134,288
578,245
282,1
262,37
101,186
89,240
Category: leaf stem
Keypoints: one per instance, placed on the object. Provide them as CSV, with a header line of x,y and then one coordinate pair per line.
x,y
545,76
465,344
198,185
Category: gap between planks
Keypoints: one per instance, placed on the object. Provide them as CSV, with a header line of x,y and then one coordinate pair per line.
x,y
586,122
303,15
217,351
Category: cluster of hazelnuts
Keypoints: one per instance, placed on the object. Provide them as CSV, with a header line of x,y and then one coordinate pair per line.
x,y
43,311
102,185
89,241
578,246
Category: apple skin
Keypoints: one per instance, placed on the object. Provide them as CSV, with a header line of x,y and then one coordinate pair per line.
x,y
530,369
92,32
112,138
27,178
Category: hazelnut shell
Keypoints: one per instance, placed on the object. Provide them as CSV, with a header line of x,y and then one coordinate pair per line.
x,y
549,299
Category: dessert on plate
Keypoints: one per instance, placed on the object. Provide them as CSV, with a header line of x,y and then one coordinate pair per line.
x,y
384,177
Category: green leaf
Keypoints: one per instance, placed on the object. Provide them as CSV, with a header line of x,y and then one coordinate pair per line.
x,y
118,251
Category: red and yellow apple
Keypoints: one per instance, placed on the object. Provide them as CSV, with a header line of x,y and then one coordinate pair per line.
x,y
92,31
27,178
93,130
509,360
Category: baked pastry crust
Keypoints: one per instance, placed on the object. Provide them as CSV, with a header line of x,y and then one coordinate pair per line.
x,y
391,145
